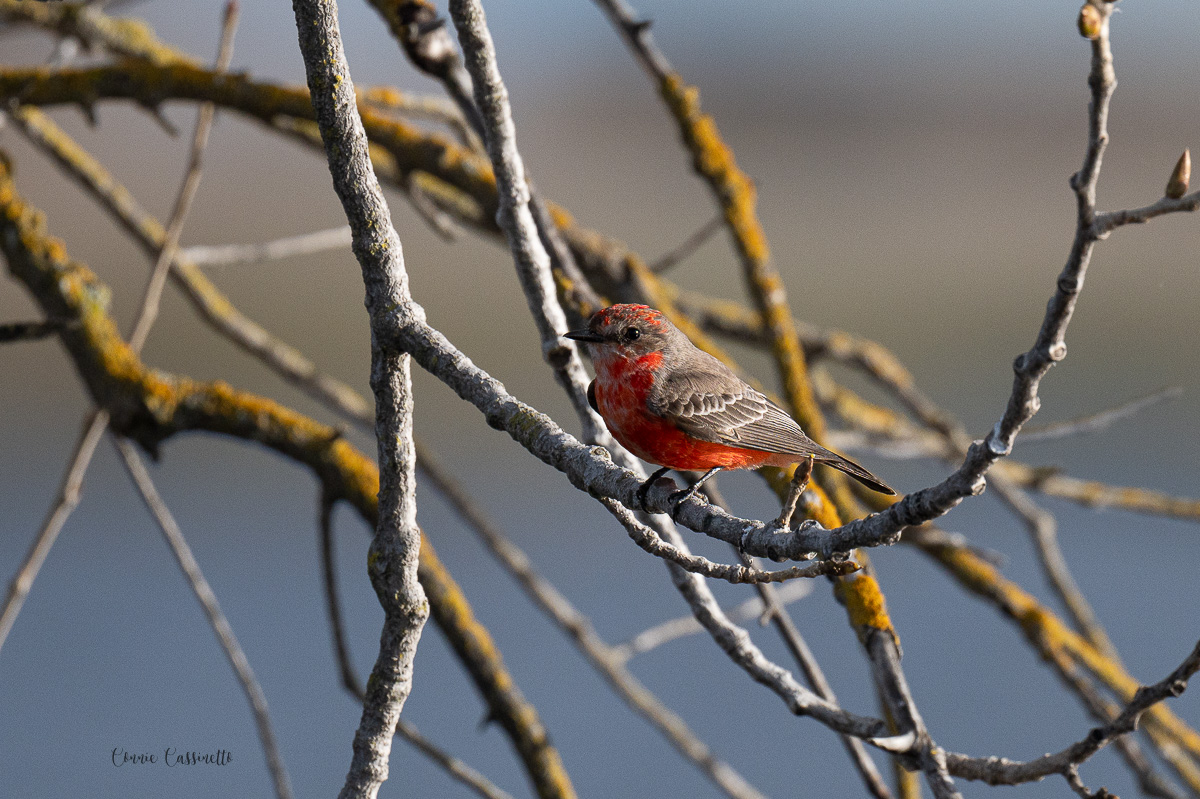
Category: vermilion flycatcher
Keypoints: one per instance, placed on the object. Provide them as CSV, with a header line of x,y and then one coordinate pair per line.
x,y
669,402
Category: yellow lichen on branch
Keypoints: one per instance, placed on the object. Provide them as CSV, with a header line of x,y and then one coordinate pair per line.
x,y
130,37
865,604
152,84
735,192
150,406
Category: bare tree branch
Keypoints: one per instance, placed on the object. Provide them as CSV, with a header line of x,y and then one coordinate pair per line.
x,y
94,425
999,771
238,254
212,608
673,629
397,542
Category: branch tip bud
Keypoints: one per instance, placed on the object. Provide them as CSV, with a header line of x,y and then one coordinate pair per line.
x,y
1181,176
1090,22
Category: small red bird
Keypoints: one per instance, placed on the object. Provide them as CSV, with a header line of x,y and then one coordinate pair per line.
x,y
673,404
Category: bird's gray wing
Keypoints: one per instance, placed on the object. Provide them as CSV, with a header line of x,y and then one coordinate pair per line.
x,y
715,405
708,401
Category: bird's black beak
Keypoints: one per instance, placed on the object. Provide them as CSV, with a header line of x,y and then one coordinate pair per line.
x,y
584,335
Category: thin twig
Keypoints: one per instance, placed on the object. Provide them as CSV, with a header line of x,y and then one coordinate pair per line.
x,y
1044,531
333,603
1105,223
688,246
288,247
94,425
212,609
682,626
452,765
650,541
187,192
1105,710
1096,422
30,331
1000,771
397,542
1093,493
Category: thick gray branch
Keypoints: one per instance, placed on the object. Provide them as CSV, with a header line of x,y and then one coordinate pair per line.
x,y
397,542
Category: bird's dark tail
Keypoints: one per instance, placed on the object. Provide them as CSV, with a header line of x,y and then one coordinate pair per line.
x,y
854,470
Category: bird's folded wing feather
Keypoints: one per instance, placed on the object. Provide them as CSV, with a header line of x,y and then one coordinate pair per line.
x,y
721,408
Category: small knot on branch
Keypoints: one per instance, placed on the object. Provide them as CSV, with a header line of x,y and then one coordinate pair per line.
x,y
558,355
1070,284
995,443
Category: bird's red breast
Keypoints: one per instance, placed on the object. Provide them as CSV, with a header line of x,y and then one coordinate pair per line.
x,y
622,391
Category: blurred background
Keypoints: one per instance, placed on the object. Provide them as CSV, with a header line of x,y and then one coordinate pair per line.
x,y
911,161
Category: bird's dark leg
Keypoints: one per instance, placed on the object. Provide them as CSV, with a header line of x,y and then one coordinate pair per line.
x,y
804,471
680,497
645,487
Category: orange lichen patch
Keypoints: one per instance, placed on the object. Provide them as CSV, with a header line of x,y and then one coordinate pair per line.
x,y
560,216
864,603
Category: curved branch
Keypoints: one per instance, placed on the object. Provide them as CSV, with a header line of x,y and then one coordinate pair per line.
x,y
151,406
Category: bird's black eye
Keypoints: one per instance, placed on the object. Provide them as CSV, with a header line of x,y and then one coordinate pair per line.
x,y
632,334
